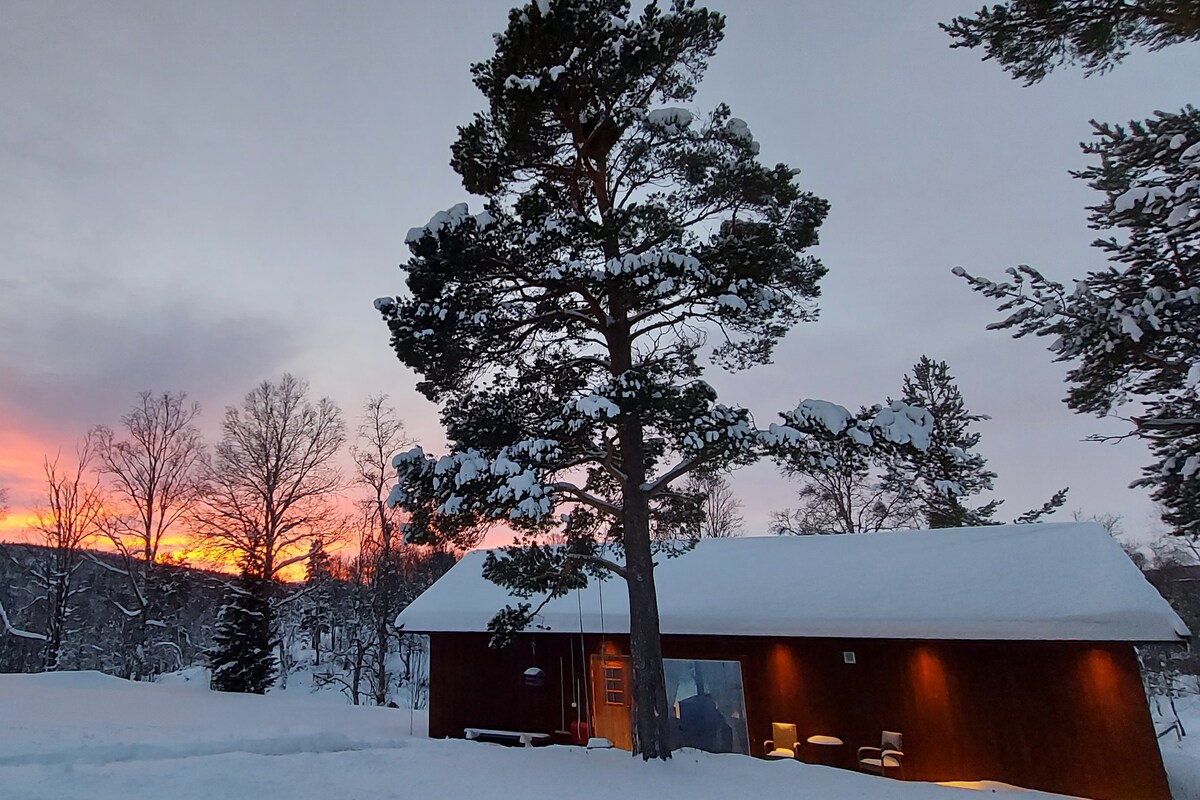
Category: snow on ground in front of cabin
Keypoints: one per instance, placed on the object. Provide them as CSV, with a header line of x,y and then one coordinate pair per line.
x,y
94,737
1181,755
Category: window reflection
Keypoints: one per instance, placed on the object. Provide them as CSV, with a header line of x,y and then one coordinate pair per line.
x,y
707,704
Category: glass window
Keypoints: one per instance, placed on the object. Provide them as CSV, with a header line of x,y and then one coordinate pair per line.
x,y
614,684
707,705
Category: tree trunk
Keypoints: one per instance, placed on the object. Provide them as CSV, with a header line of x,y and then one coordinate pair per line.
x,y
360,651
381,676
651,731
284,663
56,621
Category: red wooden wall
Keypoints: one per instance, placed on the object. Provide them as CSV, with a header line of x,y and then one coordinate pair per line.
x,y
1057,716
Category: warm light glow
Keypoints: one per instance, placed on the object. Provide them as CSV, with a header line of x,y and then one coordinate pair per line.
x,y
785,673
610,648
1102,678
13,528
18,528
929,678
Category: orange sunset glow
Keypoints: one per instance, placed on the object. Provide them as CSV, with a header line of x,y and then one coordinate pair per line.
x,y
21,470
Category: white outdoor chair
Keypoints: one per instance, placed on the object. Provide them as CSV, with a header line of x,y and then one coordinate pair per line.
x,y
784,743
888,759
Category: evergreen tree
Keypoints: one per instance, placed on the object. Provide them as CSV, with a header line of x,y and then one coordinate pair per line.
x,y
951,470
1131,331
1029,38
560,328
318,596
240,657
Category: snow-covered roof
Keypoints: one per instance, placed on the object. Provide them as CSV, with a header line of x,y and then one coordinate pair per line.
x,y
1049,581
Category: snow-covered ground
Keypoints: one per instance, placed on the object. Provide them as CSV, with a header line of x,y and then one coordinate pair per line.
x,y
87,735
1181,757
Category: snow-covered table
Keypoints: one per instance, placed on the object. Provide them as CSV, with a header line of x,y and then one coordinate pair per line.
x,y
827,741
826,749
524,737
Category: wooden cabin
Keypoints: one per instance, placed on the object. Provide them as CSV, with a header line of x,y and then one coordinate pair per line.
x,y
1002,653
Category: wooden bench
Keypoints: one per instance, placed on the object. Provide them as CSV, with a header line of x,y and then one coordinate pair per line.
x,y
525,738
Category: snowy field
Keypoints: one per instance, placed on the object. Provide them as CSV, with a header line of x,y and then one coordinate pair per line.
x,y
1182,757
87,735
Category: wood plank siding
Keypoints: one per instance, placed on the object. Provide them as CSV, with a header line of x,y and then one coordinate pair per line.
x,y
1058,716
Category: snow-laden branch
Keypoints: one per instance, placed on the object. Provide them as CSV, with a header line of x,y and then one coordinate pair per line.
x,y
129,612
8,626
590,500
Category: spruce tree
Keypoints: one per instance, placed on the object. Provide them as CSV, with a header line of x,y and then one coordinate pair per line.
x,y
317,596
240,657
560,328
951,469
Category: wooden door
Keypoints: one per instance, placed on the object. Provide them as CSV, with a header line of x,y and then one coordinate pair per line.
x,y
611,686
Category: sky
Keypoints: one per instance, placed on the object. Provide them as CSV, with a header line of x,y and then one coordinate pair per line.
x,y
198,196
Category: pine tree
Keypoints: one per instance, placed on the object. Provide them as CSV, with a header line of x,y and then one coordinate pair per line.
x,y
240,657
1029,38
1131,331
560,328
951,470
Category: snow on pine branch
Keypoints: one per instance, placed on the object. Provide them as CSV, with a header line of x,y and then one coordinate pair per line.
x,y
448,220
658,272
811,432
1168,197
1131,329
898,423
519,483
507,485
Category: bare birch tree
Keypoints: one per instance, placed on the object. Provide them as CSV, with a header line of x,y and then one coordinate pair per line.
x,y
69,518
272,488
153,467
847,494
273,483
722,508
381,435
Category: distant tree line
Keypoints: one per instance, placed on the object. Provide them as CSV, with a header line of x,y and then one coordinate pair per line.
x,y
97,633
98,588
